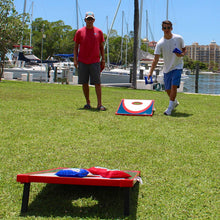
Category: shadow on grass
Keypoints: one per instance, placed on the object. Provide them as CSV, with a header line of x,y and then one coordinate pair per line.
x,y
91,109
83,201
180,114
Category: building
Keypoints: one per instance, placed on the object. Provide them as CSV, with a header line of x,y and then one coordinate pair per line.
x,y
151,44
209,54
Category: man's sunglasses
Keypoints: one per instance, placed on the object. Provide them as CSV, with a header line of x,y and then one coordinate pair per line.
x,y
166,28
89,19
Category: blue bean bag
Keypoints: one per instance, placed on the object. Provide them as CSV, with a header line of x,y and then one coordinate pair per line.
x,y
72,172
176,50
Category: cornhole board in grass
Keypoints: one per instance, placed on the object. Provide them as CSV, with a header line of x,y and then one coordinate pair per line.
x,y
135,107
48,176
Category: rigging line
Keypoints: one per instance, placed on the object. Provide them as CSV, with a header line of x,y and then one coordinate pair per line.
x,y
113,21
152,36
77,10
174,17
29,9
127,27
81,15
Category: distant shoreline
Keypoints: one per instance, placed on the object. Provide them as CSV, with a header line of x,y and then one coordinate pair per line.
x,y
205,73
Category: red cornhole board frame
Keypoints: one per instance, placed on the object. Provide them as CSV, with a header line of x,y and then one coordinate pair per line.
x,y
48,176
135,107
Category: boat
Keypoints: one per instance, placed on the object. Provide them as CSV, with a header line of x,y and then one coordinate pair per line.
x,y
38,73
115,77
61,69
186,72
23,62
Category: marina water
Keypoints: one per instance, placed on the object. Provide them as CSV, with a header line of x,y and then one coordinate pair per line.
x,y
207,83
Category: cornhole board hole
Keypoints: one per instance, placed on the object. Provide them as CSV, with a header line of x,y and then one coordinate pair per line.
x,y
48,176
135,107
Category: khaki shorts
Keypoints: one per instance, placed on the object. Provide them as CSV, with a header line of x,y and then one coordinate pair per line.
x,y
89,72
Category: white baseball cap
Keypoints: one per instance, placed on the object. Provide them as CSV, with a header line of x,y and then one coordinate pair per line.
x,y
89,15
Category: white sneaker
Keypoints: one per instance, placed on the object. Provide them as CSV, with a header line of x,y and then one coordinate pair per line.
x,y
170,108
176,103
168,111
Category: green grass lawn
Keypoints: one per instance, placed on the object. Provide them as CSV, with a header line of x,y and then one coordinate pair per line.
x,y
43,126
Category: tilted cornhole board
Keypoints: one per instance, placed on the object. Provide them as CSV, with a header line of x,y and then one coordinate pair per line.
x,y
136,107
48,176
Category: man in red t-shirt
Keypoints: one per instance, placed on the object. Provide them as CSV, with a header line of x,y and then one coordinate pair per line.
x,y
89,45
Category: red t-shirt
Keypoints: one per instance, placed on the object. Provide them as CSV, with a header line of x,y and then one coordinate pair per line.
x,y
89,41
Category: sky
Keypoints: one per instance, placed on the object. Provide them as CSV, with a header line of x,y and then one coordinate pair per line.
x,y
196,20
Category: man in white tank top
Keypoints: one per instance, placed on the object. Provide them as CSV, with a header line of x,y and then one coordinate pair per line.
x,y
173,62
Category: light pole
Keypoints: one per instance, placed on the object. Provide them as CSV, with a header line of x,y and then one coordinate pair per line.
x,y
135,50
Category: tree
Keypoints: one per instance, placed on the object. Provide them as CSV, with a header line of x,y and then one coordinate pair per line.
x,y
213,66
216,67
191,64
11,29
114,49
59,37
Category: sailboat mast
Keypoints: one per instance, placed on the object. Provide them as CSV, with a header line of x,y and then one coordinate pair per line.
x,y
122,36
107,42
126,51
24,11
77,16
31,23
167,9
140,23
139,32
147,30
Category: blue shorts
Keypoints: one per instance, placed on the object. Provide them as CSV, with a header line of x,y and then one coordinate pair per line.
x,y
172,78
